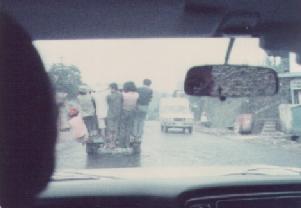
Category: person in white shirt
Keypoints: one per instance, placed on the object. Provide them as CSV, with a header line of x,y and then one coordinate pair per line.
x,y
87,108
100,97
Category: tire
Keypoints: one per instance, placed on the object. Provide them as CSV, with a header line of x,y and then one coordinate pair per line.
x,y
162,128
91,149
295,137
166,129
237,129
136,148
190,129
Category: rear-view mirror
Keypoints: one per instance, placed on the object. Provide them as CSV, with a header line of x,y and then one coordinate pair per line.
x,y
231,81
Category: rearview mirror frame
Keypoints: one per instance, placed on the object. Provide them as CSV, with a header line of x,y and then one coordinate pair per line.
x,y
210,80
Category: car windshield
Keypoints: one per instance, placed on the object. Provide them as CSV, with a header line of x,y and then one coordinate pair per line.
x,y
174,109
110,91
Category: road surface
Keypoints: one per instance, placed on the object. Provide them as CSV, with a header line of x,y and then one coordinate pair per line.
x,y
177,149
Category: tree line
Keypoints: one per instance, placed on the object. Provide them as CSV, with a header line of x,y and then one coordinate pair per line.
x,y
65,78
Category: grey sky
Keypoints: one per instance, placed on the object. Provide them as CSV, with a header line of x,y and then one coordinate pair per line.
x,y
165,61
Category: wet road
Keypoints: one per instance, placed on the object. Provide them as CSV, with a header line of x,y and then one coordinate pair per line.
x,y
177,149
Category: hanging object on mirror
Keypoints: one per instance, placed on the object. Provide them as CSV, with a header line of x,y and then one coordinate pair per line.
x,y
221,96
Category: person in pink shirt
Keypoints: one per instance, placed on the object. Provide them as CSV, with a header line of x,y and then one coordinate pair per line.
x,y
78,127
130,97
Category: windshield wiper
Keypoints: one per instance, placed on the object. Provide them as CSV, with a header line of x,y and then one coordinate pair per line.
x,y
72,178
74,175
276,171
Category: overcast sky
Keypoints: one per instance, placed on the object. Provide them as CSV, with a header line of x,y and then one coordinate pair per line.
x,y
165,61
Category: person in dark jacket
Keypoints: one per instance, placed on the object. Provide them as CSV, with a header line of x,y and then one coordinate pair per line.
x,y
145,97
114,100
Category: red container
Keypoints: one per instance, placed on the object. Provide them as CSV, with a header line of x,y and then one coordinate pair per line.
x,y
243,123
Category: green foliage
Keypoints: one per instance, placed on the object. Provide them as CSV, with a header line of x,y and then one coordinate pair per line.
x,y
65,78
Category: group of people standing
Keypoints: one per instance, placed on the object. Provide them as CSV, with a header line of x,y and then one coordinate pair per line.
x,y
117,115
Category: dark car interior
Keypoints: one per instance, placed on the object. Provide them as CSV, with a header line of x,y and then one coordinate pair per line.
x,y
276,22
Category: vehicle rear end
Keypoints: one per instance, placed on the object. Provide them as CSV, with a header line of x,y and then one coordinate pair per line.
x,y
175,113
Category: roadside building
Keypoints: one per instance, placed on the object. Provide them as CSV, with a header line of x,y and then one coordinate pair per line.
x,y
265,109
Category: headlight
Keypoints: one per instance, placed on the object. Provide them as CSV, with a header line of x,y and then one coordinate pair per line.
x,y
169,120
189,120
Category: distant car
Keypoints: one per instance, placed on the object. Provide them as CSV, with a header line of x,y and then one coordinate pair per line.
x,y
175,113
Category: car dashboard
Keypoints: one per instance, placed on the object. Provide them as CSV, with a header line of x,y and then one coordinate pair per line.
x,y
205,192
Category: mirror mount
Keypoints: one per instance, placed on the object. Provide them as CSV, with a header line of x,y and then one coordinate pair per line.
x,y
229,50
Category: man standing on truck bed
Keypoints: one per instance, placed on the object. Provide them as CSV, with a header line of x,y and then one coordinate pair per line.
x,y
145,97
87,108
114,100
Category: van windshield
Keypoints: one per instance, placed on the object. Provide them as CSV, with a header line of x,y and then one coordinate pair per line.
x,y
175,109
